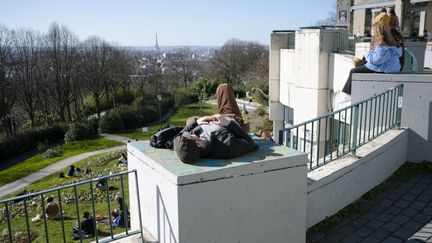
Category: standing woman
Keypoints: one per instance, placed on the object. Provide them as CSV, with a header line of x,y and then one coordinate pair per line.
x,y
383,56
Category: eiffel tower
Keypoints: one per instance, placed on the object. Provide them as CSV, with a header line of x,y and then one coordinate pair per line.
x,y
157,48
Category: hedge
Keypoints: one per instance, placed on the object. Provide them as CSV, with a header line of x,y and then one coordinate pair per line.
x,y
28,140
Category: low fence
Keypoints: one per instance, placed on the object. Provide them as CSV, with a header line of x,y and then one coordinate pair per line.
x,y
333,135
95,195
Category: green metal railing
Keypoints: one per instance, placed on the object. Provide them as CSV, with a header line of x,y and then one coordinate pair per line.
x,y
333,135
100,202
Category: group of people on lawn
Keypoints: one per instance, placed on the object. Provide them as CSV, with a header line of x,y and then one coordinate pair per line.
x,y
86,227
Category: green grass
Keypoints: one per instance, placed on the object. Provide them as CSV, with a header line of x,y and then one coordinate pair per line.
x,y
179,119
38,161
101,164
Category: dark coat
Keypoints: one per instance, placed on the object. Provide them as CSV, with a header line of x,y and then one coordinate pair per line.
x,y
227,142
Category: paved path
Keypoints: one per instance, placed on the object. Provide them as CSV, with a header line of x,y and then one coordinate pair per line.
x,y
53,168
401,213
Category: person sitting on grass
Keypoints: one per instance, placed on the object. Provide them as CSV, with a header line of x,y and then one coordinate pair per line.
x,y
102,184
71,171
122,161
87,227
121,213
52,210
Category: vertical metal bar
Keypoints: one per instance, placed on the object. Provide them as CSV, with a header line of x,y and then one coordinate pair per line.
x,y
44,218
125,211
109,209
139,206
325,139
370,120
304,138
395,102
311,144
331,137
379,116
365,124
27,220
338,135
361,120
78,213
350,128
399,107
61,214
94,212
344,133
375,117
297,139
386,126
392,108
8,222
355,121
318,141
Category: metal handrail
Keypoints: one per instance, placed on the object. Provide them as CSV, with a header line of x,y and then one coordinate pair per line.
x,y
24,198
330,136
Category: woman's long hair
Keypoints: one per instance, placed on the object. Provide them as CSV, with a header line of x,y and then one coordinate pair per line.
x,y
382,36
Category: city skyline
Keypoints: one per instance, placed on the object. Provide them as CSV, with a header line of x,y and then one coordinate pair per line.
x,y
135,23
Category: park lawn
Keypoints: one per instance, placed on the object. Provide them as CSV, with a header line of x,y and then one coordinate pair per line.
x,y
38,161
179,119
102,164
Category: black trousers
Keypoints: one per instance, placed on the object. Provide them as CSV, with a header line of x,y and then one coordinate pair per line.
x,y
360,69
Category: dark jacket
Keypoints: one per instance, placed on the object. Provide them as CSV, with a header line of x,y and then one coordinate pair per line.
x,y
87,226
228,142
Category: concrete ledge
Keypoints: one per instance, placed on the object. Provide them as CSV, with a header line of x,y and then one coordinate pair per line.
x,y
341,182
258,197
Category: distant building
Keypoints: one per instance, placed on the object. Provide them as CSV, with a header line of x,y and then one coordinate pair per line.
x,y
357,15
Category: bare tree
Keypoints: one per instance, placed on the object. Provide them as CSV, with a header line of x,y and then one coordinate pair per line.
x,y
61,54
236,58
27,49
122,66
94,68
7,87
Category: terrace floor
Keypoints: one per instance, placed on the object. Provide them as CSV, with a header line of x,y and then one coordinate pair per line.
x,y
400,212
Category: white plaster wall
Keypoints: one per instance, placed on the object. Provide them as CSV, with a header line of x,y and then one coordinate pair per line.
x,y
341,182
287,77
308,103
306,63
265,207
339,68
158,199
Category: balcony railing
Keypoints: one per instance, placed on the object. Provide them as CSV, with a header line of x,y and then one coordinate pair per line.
x,y
333,135
72,199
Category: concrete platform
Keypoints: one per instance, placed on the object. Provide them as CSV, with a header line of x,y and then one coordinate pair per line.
x,y
259,197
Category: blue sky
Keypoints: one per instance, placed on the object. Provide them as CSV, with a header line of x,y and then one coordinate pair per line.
x,y
177,22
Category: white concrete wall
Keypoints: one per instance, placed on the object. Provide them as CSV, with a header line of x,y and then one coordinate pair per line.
x,y
416,110
287,78
339,183
339,68
259,197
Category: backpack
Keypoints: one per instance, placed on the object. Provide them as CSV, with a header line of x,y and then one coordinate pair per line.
x,y
164,137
